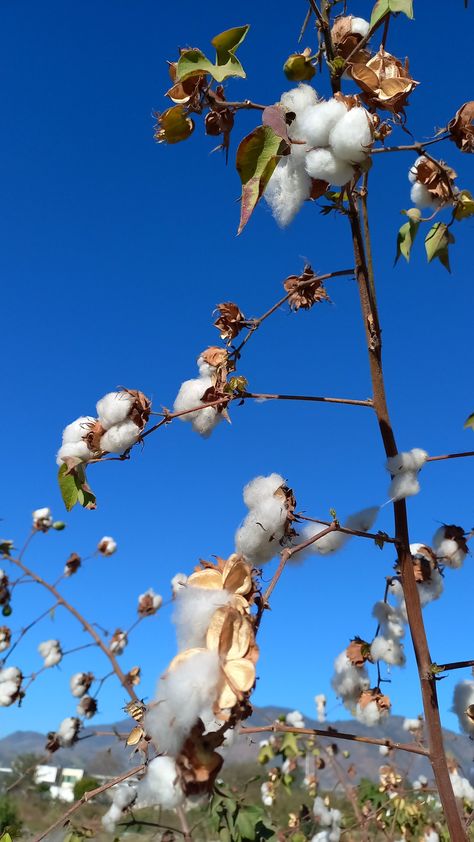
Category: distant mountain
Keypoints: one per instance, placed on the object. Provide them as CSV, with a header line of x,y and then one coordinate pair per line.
x,y
106,755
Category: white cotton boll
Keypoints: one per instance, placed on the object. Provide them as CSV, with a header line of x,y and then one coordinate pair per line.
x,y
364,520
447,550
189,396
42,519
181,695
114,408
123,795
403,485
161,785
391,620
261,487
120,437
10,681
421,197
322,812
431,590
107,546
316,122
370,714
330,543
348,681
462,788
266,794
77,429
194,610
384,750
351,137
430,836
360,26
79,684
5,638
320,701
412,724
178,582
258,539
50,650
205,369
323,164
299,99
11,674
321,836
75,450
68,731
463,698
411,460
288,188
110,818
388,650
206,420
295,719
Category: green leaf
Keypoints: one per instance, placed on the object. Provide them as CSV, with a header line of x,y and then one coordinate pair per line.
x,y
289,745
5,837
68,487
437,242
464,206
384,7
194,62
407,233
469,422
257,157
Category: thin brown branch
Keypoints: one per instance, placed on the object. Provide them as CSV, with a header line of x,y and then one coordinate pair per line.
x,y
316,398
454,665
372,535
333,734
450,456
88,796
287,554
418,146
26,629
86,625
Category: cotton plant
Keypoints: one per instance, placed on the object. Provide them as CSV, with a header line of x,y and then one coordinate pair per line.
x,y
51,652
334,541
80,682
189,400
267,526
149,603
107,546
10,686
404,468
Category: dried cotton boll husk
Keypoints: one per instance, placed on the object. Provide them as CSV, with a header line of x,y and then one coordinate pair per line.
x,y
161,785
74,450
77,429
351,137
120,437
463,705
188,687
323,164
80,683
317,122
288,188
450,545
194,610
388,650
404,485
412,172
114,408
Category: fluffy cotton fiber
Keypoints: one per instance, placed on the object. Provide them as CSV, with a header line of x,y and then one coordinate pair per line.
x,y
348,681
113,408
317,122
194,610
351,137
463,698
189,396
287,189
323,164
258,539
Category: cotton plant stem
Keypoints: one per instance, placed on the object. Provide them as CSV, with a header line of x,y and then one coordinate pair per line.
x,y
332,734
86,625
415,619
25,631
419,146
454,665
315,398
88,796
450,456
372,535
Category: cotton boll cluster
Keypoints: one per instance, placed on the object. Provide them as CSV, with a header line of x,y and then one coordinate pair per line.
x,y
404,468
333,541
149,603
386,646
329,818
462,788
194,610
68,731
348,681
384,750
370,714
10,684
420,783
118,642
414,726
42,519
123,796
80,683
5,637
450,546
260,537
161,785
121,417
327,138
190,395
107,546
320,702
463,705
388,650
87,707
295,719
51,651
185,692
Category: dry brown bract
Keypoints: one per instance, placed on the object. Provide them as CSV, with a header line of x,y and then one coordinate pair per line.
x,y
375,695
72,564
187,92
358,652
461,127
424,562
438,179
231,635
231,320
141,407
345,41
390,779
233,575
305,289
386,82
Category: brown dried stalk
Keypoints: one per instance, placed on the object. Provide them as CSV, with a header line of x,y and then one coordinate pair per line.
x,y
332,734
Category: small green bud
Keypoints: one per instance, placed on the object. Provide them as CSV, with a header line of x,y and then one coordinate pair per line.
x,y
59,525
6,610
298,68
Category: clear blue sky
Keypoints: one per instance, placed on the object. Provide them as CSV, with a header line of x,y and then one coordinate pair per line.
x,y
114,253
